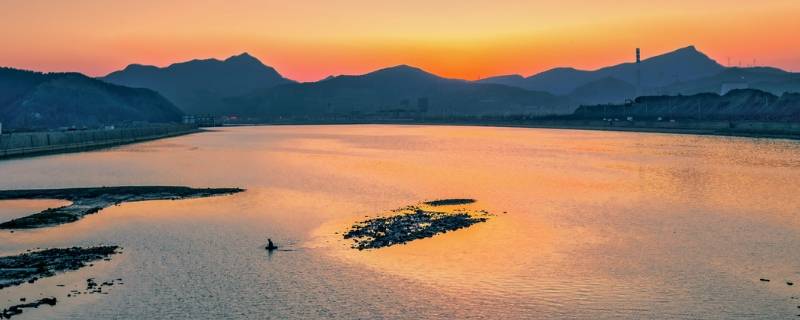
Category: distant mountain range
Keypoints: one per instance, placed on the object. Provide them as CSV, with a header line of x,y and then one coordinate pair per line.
x,y
48,100
243,86
684,71
397,88
199,86
680,65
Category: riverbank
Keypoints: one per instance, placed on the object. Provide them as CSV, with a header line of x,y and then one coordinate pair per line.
x,y
751,129
39,143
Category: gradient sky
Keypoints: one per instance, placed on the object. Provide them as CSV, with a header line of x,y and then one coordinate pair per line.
x,y
308,40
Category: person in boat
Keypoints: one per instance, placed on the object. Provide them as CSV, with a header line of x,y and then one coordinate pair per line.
x,y
271,246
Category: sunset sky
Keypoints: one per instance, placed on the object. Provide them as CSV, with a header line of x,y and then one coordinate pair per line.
x,y
309,40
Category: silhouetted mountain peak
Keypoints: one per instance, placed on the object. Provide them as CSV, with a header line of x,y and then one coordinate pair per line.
x,y
562,69
683,64
199,86
683,56
243,58
402,68
402,71
139,67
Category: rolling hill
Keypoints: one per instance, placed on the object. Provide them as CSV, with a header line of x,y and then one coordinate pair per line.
x,y
200,86
47,100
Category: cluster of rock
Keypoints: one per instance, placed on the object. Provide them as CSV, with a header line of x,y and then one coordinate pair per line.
x,y
412,223
788,283
33,265
93,287
87,201
17,309
29,267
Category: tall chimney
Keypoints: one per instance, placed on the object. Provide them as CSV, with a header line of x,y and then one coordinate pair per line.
x,y
638,72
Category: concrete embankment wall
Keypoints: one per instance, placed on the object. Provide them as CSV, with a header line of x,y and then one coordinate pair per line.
x,y
31,143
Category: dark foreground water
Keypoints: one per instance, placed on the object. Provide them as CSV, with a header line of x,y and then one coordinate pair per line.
x,y
597,225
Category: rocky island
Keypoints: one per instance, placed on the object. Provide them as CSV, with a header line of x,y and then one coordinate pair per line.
x,y
31,266
91,200
413,222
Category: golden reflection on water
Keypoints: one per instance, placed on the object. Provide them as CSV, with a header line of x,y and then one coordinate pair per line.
x,y
605,224
476,257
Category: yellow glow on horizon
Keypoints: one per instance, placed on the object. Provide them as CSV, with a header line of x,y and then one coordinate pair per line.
x,y
461,39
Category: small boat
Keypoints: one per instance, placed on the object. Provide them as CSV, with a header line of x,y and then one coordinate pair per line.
x,y
271,246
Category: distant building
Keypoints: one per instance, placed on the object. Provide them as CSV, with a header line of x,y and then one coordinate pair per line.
x,y
205,120
730,86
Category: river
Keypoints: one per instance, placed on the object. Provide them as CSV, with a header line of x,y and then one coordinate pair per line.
x,y
586,225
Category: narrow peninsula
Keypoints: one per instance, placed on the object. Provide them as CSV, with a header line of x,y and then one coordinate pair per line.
x,y
86,201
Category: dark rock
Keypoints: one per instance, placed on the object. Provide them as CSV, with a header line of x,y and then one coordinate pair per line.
x,y
17,309
29,267
411,223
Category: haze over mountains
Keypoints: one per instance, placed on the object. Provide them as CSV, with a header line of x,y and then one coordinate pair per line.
x,y
48,100
401,87
243,86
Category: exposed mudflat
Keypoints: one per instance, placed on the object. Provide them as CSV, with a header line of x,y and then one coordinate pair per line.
x,y
31,266
91,200
414,222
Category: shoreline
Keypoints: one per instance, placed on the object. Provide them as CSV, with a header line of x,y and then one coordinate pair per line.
x,y
32,147
590,125
564,125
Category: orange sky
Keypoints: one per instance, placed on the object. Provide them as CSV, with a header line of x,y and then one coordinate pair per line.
x,y
308,40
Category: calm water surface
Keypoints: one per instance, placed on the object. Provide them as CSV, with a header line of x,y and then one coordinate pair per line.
x,y
588,225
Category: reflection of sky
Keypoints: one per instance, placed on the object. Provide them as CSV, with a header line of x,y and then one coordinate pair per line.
x,y
598,224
